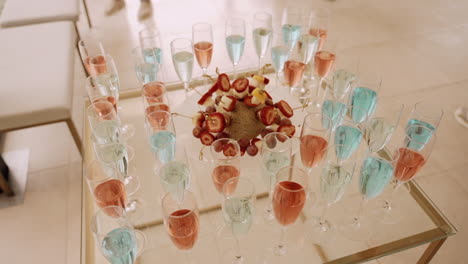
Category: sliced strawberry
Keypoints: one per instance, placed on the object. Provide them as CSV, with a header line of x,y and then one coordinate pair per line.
x,y
285,121
251,88
285,108
215,122
204,98
240,85
218,99
256,142
287,129
248,101
223,82
206,138
268,115
208,94
231,105
266,80
229,150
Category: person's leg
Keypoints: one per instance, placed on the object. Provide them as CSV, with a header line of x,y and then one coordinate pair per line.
x,y
146,10
117,5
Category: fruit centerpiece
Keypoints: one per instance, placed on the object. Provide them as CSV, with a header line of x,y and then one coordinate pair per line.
x,y
242,110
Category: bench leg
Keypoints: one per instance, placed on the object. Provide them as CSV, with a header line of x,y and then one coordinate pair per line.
x,y
430,251
75,135
85,7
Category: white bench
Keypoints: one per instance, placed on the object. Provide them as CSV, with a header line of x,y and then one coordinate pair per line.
x,y
37,76
28,12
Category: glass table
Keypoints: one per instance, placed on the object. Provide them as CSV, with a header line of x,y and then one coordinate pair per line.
x,y
422,222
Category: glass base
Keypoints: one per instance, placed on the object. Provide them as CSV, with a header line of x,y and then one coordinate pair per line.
x,y
387,213
268,213
357,229
280,250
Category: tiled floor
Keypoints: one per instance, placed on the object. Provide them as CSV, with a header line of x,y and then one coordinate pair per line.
x,y
419,47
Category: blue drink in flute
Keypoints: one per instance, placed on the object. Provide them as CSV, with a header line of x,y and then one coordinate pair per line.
x,y
117,240
235,40
162,136
423,122
348,137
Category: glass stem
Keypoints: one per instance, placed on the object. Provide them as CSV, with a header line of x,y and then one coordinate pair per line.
x,y
277,79
388,203
259,65
281,239
358,214
238,251
324,211
234,73
319,87
187,257
186,87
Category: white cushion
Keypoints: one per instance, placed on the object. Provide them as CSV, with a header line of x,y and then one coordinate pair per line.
x,y
27,12
36,69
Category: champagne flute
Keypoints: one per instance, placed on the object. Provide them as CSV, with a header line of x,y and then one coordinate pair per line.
x,y
91,49
116,155
315,135
151,45
275,154
324,62
349,133
291,26
424,114
334,109
376,172
262,34
294,69
102,90
365,95
342,82
380,128
155,97
336,174
181,221
105,71
239,211
182,58
104,121
279,55
235,40
161,134
146,72
318,24
289,197
109,188
225,155
115,236
202,36
413,155
175,174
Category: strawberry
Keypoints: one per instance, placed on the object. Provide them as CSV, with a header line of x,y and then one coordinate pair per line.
x,y
268,115
206,138
285,121
223,82
198,119
256,142
287,129
229,150
215,122
248,101
208,94
269,101
230,102
242,151
251,88
285,108
268,95
240,85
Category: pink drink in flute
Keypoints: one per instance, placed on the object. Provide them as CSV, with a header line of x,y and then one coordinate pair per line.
x,y
324,61
408,165
183,228
293,71
289,197
203,53
321,34
313,149
226,164
222,174
111,192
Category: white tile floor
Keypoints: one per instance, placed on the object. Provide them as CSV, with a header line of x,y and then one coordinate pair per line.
x,y
420,47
